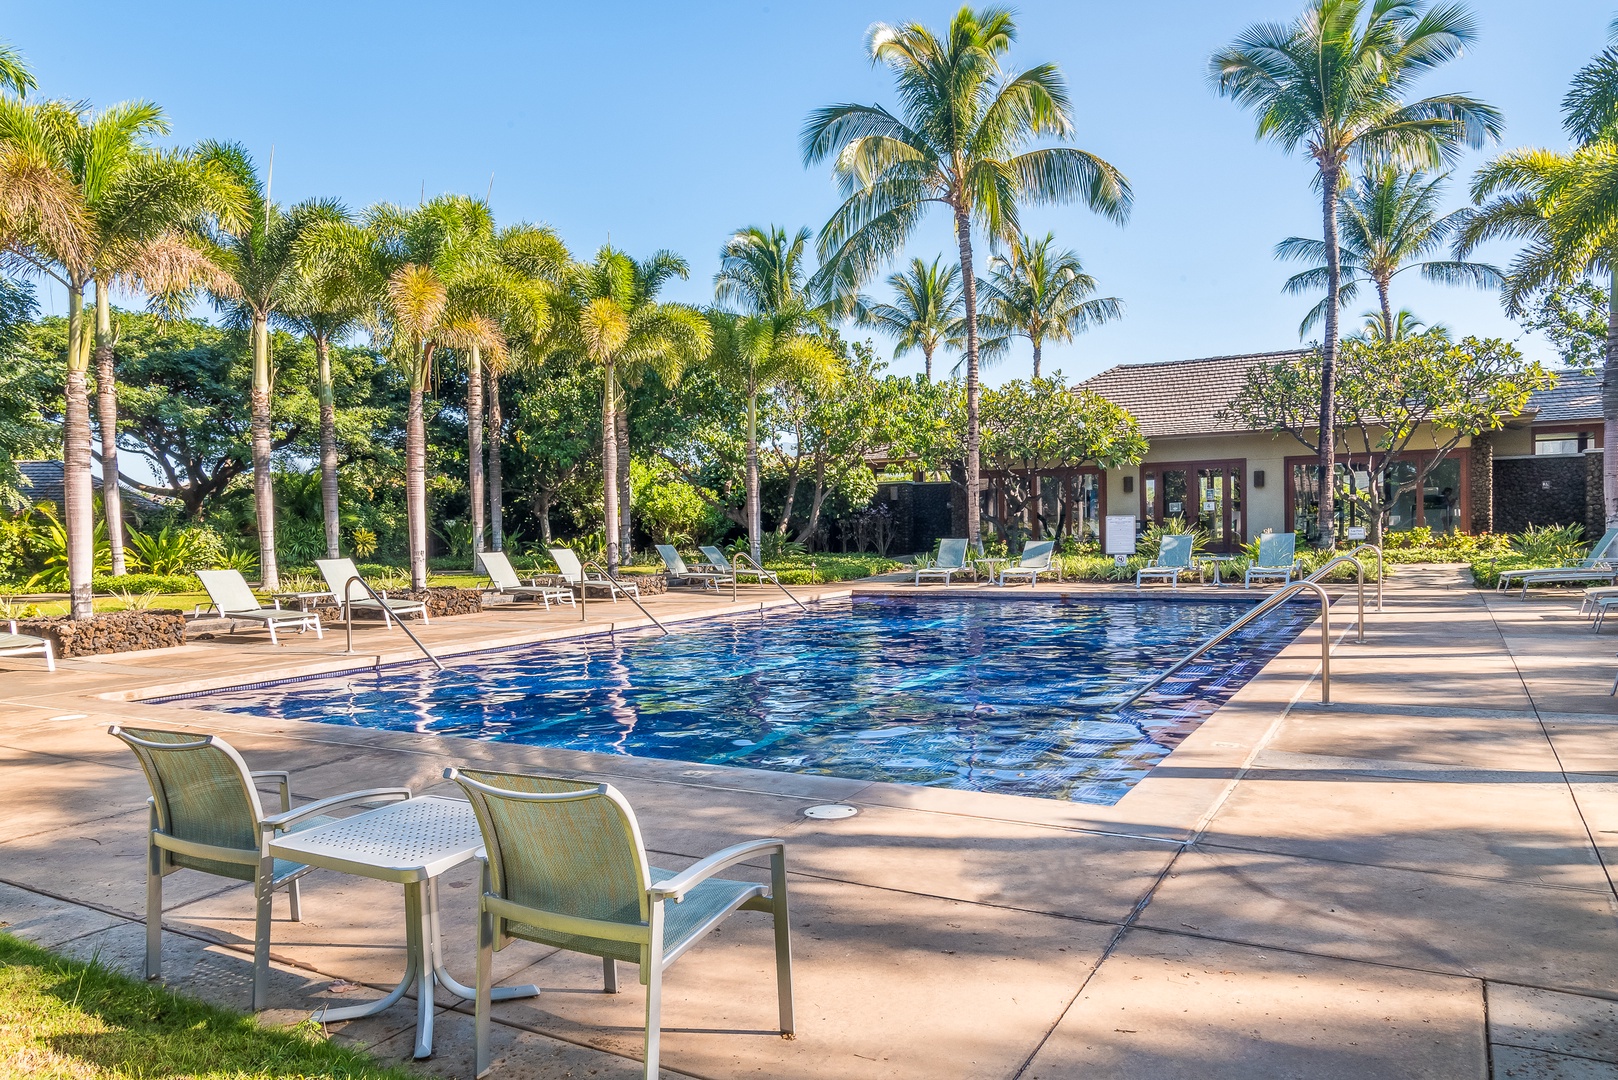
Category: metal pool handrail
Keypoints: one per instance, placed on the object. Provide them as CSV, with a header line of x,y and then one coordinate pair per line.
x,y
584,593
763,575
348,618
1285,593
1379,572
1360,570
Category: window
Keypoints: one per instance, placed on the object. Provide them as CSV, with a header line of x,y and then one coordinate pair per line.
x,y
1562,442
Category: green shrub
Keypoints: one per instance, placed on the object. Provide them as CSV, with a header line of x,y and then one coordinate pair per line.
x,y
145,583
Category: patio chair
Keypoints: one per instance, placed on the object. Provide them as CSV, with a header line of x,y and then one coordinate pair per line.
x,y
573,573
504,581
717,560
951,561
340,575
1277,559
235,601
566,867
15,644
1036,560
1173,559
679,573
206,815
1599,565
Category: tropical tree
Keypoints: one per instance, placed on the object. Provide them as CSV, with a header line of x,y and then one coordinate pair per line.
x,y
926,311
960,141
610,316
1387,222
1333,84
1564,206
256,254
1043,295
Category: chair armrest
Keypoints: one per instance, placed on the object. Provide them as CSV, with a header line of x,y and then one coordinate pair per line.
x,y
677,886
283,782
320,806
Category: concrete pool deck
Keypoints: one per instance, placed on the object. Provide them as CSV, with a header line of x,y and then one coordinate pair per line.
x,y
1412,882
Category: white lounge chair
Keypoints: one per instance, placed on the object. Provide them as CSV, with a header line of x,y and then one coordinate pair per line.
x,y
1036,560
15,644
679,573
1596,566
235,601
951,561
1173,559
1277,559
717,560
573,573
340,575
505,582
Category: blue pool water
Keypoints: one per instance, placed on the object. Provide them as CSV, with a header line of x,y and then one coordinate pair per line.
x,y
990,695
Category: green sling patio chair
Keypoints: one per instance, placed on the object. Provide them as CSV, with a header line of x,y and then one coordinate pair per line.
x,y
952,560
235,601
566,867
1036,560
503,579
340,575
1173,559
1277,558
15,644
680,573
206,815
1600,565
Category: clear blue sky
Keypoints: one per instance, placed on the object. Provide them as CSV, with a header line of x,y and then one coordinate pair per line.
x,y
671,125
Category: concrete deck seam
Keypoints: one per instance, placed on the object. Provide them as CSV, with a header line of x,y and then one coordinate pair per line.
x,y
534,1029
1488,1043
1402,868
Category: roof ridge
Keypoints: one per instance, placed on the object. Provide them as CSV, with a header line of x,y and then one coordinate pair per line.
x,y
1195,360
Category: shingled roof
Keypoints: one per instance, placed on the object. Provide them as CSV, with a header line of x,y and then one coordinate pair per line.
x,y
43,482
1576,396
1181,397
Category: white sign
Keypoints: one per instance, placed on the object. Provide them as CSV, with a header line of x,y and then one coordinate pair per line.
x,y
1208,504
1121,534
1174,507
1356,532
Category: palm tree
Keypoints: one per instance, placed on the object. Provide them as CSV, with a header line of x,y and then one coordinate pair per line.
x,y
1041,294
1564,205
15,75
762,275
960,142
257,258
1333,84
611,317
1387,222
926,311
1374,326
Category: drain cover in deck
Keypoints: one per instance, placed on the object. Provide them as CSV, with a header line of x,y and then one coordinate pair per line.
x,y
830,811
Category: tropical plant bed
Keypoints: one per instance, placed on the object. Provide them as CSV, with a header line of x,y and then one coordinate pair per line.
x,y
109,632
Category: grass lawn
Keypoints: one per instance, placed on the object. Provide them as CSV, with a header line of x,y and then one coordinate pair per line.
x,y
63,1018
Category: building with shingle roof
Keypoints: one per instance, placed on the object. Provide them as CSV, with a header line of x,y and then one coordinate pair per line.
x,y
43,482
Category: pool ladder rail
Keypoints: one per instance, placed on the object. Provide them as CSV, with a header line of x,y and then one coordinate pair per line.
x,y
348,618
762,574
1309,584
612,580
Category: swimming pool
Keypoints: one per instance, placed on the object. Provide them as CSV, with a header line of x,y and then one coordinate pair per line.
x,y
984,694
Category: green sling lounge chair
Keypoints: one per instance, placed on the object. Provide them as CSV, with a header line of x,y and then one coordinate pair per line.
x,y
951,561
679,573
573,573
340,575
566,867
1597,566
206,815
504,581
1036,560
1173,559
15,644
717,560
235,601
1277,558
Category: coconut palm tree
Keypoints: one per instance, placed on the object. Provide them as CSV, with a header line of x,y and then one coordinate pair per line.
x,y
1564,206
1374,326
1387,221
926,311
1333,84
1043,295
960,140
610,316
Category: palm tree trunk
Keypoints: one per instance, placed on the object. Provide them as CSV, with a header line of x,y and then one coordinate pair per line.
x,y
416,476
497,528
927,351
754,523
474,446
1326,520
625,495
330,507
609,467
969,289
78,509
112,503
1037,345
263,480
1609,408
1387,311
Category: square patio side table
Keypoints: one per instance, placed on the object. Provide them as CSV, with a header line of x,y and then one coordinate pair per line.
x,y
411,842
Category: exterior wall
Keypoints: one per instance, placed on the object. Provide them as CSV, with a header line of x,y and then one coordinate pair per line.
x,y
1483,484
1513,441
1543,490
